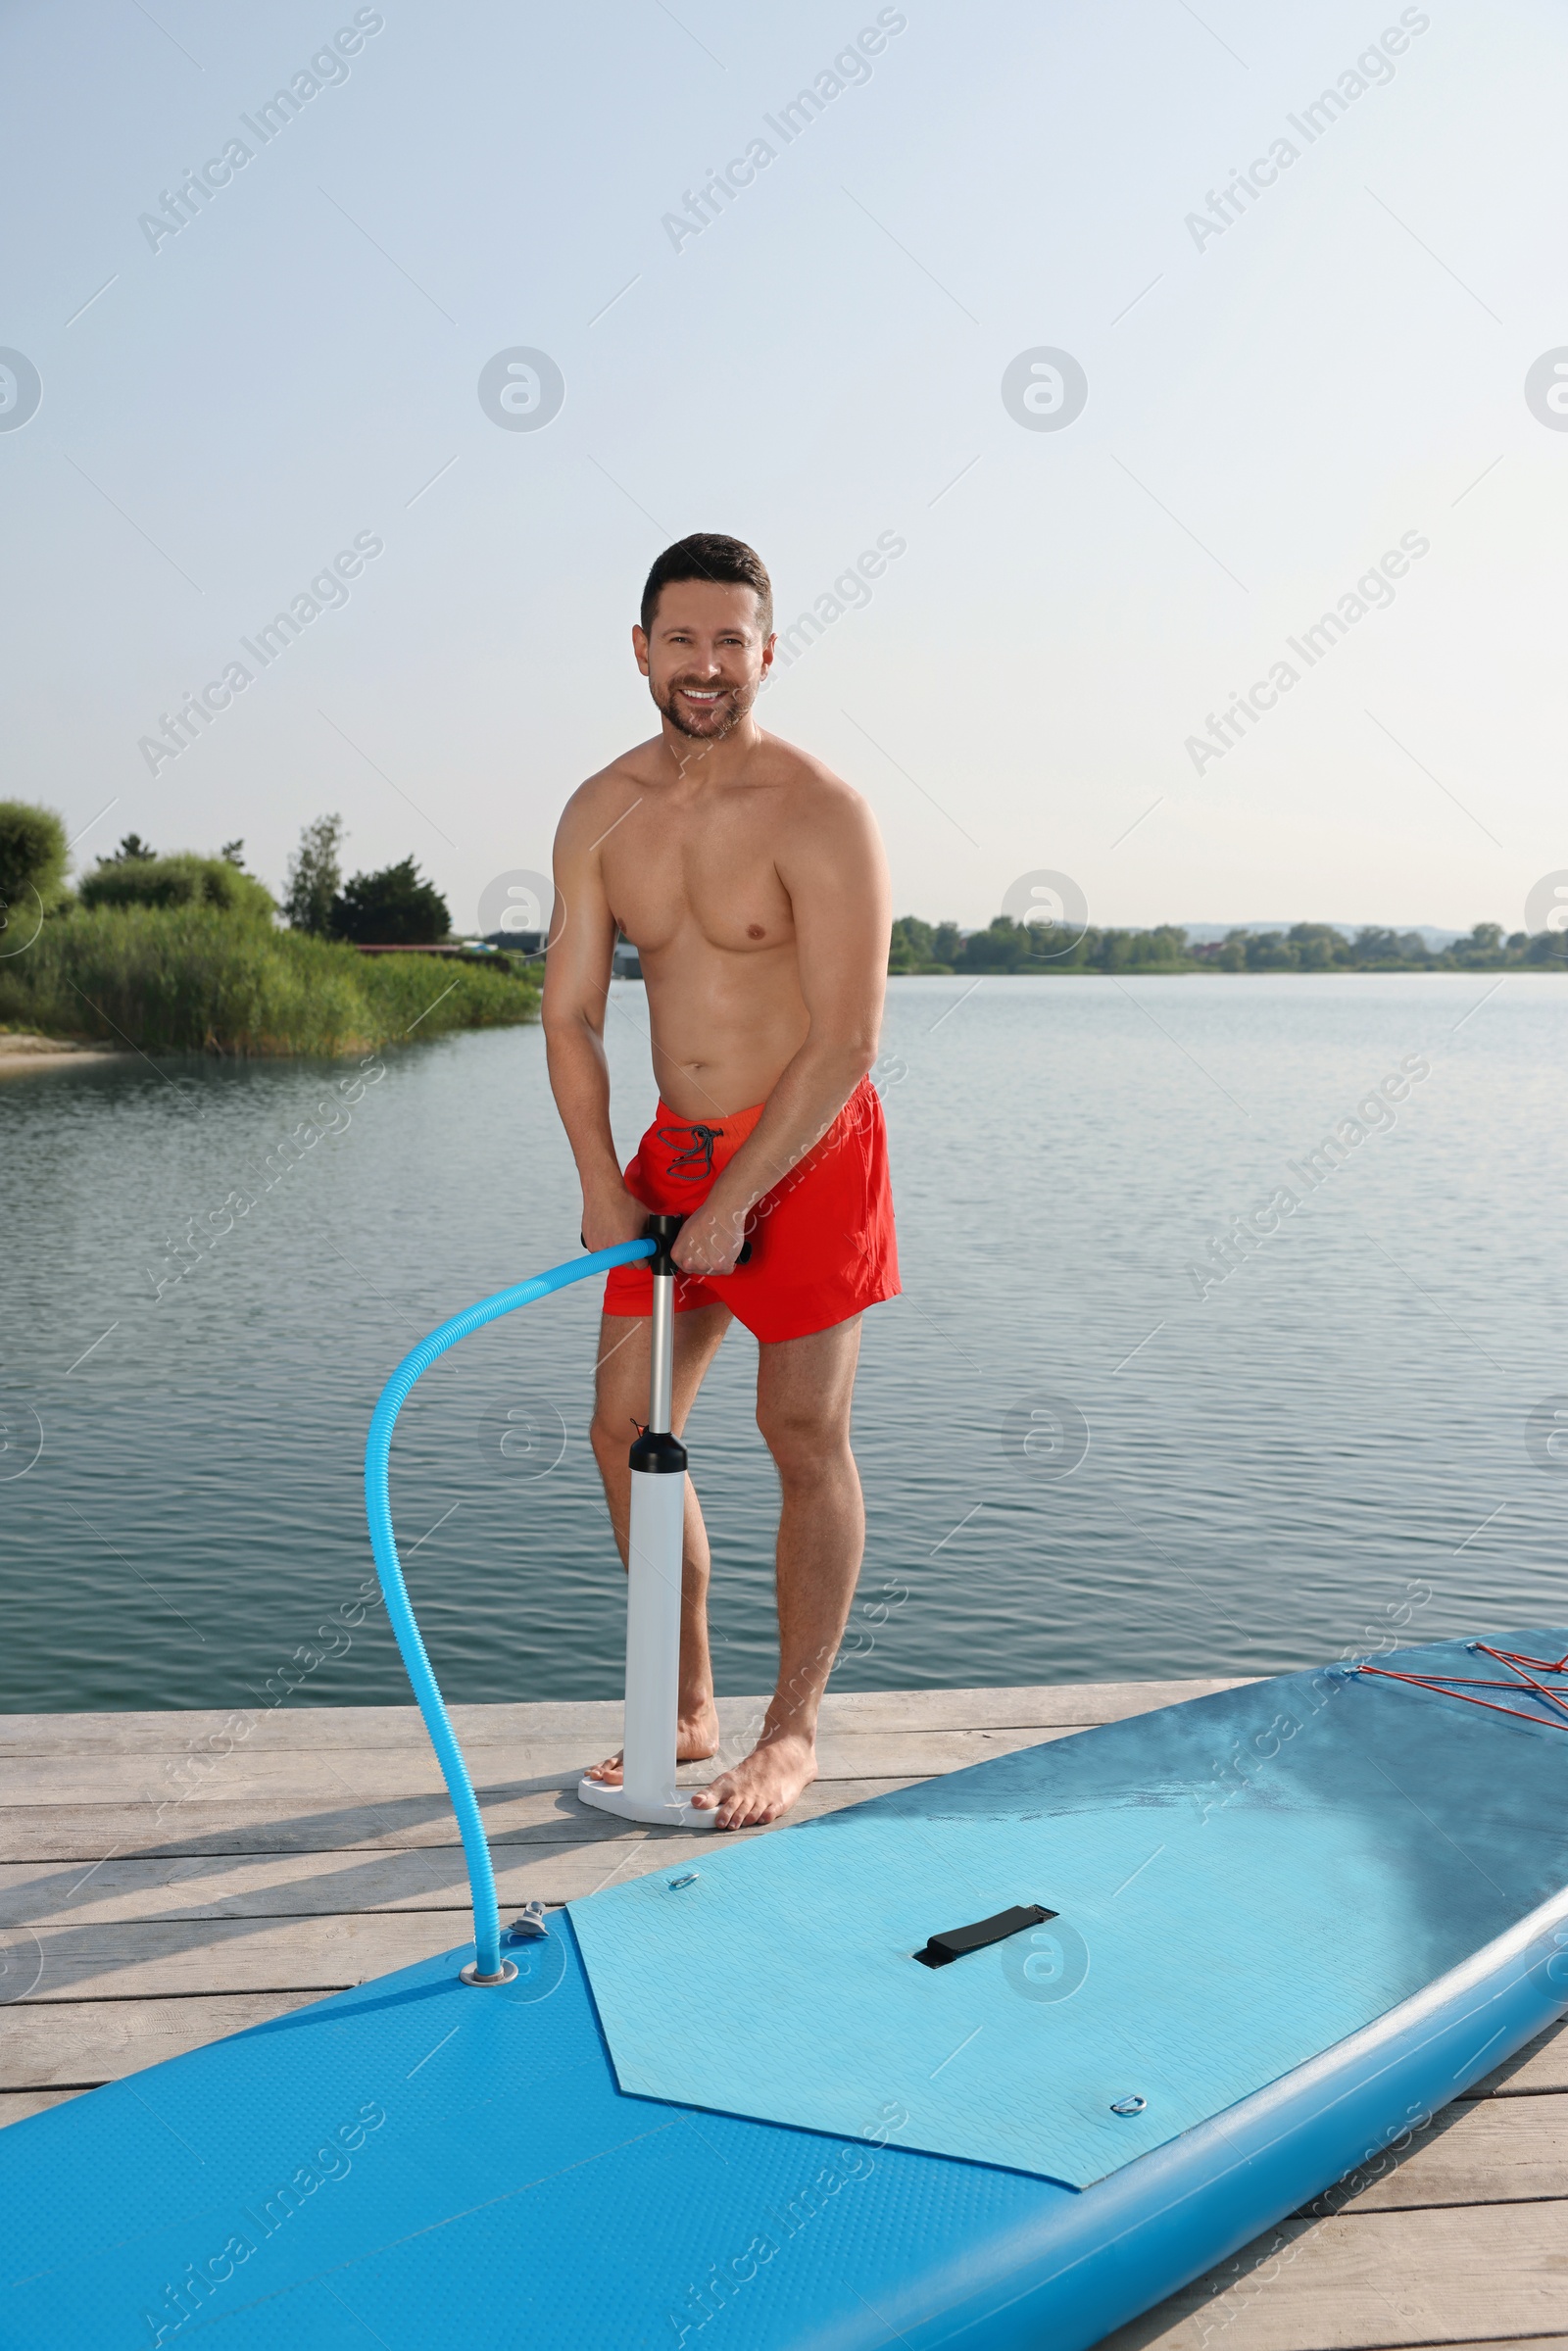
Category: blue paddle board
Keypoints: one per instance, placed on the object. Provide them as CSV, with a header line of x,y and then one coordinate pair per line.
x,y
1002,2060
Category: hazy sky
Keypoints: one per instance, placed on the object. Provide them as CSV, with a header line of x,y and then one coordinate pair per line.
x,y
1274,404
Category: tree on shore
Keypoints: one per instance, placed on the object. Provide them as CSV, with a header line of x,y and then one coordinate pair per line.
x,y
395,907
315,878
919,946
34,851
132,850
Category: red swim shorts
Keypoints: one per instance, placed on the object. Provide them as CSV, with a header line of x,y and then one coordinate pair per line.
x,y
822,1242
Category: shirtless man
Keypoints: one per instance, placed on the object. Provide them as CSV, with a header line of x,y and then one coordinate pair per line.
x,y
752,884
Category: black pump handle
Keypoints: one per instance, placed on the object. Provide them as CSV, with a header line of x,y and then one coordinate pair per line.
x,y
662,1231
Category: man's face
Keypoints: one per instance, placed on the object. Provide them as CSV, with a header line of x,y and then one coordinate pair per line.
x,y
704,657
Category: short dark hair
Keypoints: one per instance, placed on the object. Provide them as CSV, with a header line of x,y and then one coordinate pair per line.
x,y
709,555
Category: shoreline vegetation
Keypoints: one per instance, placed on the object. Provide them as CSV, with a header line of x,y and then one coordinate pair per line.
x,y
184,954
190,979
1041,947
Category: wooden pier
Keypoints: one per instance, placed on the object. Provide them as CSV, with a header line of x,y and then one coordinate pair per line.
x,y
166,1879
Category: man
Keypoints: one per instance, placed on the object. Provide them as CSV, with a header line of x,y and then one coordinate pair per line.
x,y
752,884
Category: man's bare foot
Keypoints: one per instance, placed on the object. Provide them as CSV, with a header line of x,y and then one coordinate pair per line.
x,y
696,1738
765,1785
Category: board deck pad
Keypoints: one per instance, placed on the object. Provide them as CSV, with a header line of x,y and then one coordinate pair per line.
x,y
1241,1882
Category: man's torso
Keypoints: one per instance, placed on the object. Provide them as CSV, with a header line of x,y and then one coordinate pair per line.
x,y
691,873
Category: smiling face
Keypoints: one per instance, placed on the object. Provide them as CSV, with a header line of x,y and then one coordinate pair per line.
x,y
704,655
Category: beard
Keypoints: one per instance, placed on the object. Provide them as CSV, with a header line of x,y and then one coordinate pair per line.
x,y
726,712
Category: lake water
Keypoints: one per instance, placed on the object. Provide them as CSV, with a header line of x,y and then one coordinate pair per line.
x,y
1352,1428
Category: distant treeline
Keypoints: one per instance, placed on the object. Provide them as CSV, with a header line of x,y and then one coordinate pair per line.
x,y
1008,946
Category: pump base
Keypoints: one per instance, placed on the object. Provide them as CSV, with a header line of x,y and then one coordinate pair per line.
x,y
674,1813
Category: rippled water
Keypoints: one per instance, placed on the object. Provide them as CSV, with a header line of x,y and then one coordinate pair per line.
x,y
1337,1436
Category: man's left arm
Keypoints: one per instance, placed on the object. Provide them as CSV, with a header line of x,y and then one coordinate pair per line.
x,y
837,880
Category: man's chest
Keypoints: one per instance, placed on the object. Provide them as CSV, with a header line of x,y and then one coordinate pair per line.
x,y
670,875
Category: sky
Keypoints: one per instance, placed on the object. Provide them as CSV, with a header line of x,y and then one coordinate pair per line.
x,y
1111,437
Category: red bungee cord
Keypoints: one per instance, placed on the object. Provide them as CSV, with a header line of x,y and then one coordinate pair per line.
x,y
1461,1685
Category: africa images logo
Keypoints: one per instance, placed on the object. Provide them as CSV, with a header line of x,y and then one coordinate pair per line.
x,y
521,389
1546,389
1373,69
179,206
20,390
850,70
1044,390
327,592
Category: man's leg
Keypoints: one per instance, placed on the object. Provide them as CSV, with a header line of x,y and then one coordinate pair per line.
x,y
621,1408
804,1392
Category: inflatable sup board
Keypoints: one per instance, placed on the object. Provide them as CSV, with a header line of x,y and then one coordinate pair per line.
x,y
1000,2060
728,2105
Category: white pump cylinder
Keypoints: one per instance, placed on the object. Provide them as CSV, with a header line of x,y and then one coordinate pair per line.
x,y
655,1551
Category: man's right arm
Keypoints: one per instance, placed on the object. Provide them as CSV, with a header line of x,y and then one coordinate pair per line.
x,y
577,972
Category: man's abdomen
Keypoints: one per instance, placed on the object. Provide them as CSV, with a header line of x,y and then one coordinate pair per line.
x,y
721,1037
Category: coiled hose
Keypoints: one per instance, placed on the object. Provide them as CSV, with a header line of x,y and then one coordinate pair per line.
x,y
394,1592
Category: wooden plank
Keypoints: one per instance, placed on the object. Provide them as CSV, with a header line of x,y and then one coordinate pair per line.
x,y
1053,1705
173,1959
387,1775
1481,2151
73,2044
1490,2273
1541,2065
323,1885
86,1833
189,1729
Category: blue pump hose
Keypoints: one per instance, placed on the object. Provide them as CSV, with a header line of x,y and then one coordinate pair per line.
x,y
394,1592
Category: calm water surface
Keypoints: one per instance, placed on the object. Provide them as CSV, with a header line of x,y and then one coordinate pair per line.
x,y
1336,1436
